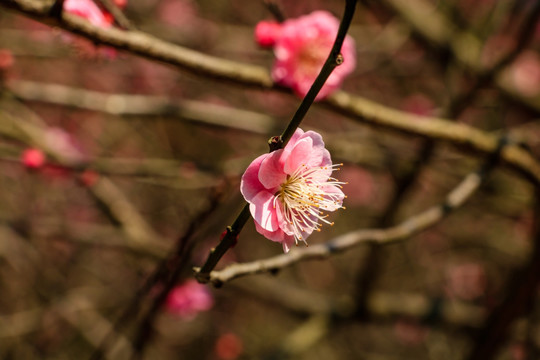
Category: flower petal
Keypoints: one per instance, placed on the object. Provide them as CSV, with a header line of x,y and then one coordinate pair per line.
x,y
263,211
300,155
271,173
250,184
277,236
336,195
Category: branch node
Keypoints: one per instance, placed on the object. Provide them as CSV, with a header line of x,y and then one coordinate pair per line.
x,y
275,143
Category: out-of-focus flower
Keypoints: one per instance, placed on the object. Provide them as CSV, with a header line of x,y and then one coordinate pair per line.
x,y
33,158
267,32
61,142
89,10
188,299
525,73
228,346
288,189
301,46
6,59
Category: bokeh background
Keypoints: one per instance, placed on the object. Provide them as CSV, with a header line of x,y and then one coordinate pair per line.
x,y
138,153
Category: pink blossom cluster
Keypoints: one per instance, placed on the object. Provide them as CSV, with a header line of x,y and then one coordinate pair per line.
x,y
288,189
188,299
301,46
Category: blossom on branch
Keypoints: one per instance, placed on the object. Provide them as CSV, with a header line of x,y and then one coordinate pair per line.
x,y
301,47
288,189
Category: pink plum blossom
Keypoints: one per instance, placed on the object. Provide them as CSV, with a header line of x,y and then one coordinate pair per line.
x,y
188,299
89,10
288,189
301,46
33,158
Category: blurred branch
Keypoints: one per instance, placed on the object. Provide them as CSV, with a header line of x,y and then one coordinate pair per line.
x,y
121,211
432,26
147,46
380,304
460,135
110,198
143,105
80,313
166,275
356,107
370,270
519,298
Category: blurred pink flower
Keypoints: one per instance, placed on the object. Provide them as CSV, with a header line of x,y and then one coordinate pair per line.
x,y
89,10
61,142
525,73
288,189
188,299
267,32
301,47
33,158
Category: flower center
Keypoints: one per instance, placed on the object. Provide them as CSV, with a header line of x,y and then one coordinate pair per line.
x,y
305,195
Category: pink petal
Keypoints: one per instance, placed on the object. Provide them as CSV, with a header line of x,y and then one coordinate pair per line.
x,y
263,211
271,173
300,155
277,236
250,184
287,244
